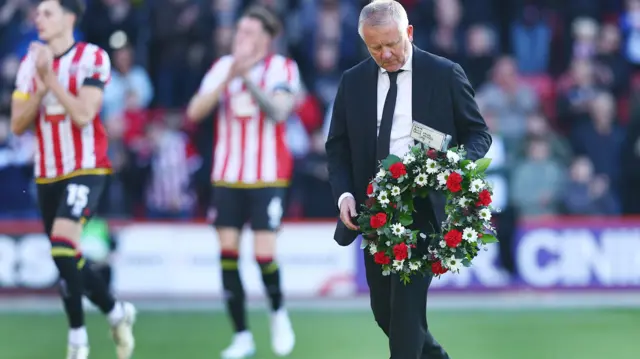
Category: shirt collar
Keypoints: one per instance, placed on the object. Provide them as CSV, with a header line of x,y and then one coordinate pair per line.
x,y
408,66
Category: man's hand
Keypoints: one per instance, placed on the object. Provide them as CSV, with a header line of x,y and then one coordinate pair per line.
x,y
44,60
245,56
347,212
41,89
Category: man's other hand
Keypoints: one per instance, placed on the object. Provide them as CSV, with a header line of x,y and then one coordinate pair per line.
x,y
348,212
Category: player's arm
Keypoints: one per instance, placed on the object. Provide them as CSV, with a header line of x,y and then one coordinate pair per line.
x,y
214,82
84,107
24,110
26,99
279,98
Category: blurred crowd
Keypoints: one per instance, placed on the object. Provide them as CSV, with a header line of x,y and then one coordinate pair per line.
x,y
558,83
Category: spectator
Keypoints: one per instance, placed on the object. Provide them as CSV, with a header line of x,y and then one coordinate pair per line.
x,y
530,40
578,90
447,37
129,82
538,126
600,139
586,194
611,68
585,36
481,53
537,181
512,100
630,164
630,26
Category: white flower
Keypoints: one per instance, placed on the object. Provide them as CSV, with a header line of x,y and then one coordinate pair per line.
x,y
397,265
383,198
463,202
395,191
373,249
397,229
421,179
432,166
442,244
386,272
408,158
453,157
485,214
414,266
388,243
442,177
471,166
476,185
381,174
470,235
454,264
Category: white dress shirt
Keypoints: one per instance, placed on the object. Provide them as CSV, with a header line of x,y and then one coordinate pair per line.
x,y
401,139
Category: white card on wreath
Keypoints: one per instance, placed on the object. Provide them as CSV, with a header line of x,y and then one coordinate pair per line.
x,y
430,137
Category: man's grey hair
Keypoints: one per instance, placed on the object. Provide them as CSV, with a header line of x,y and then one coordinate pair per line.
x,y
383,12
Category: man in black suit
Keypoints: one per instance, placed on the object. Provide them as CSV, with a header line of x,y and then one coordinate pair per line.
x,y
376,104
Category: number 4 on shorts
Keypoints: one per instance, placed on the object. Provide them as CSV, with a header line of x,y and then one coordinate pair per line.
x,y
77,198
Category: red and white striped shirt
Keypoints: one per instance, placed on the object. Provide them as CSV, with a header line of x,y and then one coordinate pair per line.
x,y
251,149
64,149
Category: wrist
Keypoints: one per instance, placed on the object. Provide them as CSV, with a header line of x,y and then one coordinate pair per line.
x,y
49,79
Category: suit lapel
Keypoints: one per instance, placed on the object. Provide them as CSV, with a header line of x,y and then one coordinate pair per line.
x,y
370,108
421,90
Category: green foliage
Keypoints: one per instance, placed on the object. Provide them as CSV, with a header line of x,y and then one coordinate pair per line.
x,y
483,164
390,160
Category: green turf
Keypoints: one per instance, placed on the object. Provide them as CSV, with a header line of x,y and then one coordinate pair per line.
x,y
346,335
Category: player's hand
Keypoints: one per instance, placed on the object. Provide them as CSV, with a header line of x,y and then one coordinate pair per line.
x,y
245,56
44,61
348,212
41,88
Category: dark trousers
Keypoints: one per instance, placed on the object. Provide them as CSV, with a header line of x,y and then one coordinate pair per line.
x,y
401,310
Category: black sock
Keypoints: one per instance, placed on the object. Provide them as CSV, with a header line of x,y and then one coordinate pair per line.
x,y
233,290
96,288
67,260
271,280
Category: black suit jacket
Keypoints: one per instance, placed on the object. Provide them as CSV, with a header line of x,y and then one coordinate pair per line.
x,y
442,98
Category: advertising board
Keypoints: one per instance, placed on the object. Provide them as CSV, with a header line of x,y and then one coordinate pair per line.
x,y
165,260
183,260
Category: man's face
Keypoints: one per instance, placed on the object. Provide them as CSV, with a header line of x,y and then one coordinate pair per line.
x,y
51,20
250,31
388,46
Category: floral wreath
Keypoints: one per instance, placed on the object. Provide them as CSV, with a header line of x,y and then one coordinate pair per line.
x,y
389,209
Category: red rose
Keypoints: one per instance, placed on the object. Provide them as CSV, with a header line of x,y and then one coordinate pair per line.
x,y
453,238
397,170
381,258
401,251
484,198
370,202
454,182
433,154
438,269
378,220
369,189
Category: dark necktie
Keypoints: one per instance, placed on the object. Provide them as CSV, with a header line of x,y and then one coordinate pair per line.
x,y
384,134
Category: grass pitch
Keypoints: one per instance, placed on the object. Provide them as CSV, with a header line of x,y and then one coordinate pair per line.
x,y
540,334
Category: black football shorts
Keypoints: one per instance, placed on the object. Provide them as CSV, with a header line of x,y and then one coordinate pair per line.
x,y
76,198
263,208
